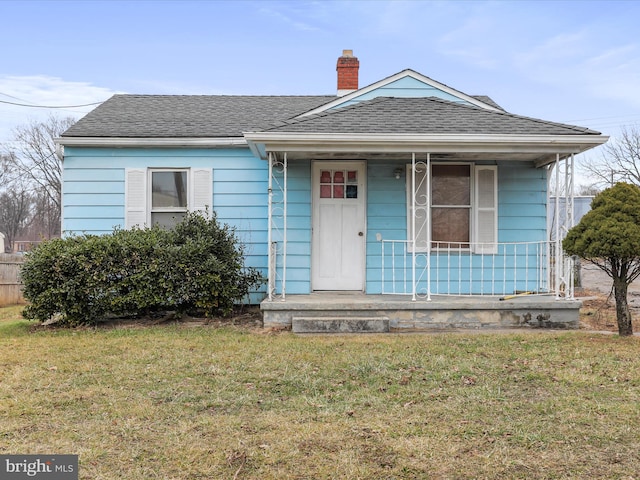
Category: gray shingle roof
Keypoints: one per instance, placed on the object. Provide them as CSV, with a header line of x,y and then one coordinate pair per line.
x,y
488,101
212,116
430,115
157,116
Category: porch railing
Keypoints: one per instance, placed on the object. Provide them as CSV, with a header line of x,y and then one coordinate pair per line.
x,y
509,269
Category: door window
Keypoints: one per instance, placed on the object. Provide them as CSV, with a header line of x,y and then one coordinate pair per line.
x,y
339,184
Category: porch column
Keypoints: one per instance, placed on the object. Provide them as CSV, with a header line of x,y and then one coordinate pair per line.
x,y
563,266
284,226
568,222
275,212
413,227
428,200
419,203
271,273
556,223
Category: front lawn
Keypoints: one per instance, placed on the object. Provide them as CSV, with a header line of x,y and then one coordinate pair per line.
x,y
197,402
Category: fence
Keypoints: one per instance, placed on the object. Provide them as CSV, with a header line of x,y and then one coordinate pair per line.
x,y
10,286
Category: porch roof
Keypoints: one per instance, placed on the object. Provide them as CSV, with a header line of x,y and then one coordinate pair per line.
x,y
429,115
398,126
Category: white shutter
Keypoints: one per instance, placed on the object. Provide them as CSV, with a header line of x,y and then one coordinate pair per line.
x,y
135,197
422,204
202,190
486,209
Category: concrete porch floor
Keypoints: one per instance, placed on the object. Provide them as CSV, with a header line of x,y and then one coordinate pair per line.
x,y
342,312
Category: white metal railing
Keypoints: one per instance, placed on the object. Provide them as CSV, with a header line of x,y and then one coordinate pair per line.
x,y
510,269
277,226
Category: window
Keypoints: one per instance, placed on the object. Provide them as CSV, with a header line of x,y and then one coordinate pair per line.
x,y
168,196
163,196
450,206
339,184
462,207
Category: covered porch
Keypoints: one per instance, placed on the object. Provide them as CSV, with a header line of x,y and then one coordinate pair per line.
x,y
439,227
442,285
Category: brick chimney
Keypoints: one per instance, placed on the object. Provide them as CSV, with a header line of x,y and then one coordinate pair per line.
x,y
347,69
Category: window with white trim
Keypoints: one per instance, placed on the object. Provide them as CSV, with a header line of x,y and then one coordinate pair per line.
x,y
450,206
163,195
462,207
169,190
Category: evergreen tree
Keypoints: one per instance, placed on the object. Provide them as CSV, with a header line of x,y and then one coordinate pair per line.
x,y
608,236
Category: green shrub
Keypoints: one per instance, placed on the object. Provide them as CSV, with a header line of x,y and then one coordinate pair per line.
x,y
198,265
608,236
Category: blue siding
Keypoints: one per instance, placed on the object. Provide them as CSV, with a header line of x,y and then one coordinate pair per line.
x,y
386,215
94,183
404,87
298,273
521,218
522,197
93,202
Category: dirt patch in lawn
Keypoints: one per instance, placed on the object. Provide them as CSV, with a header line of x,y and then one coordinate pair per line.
x,y
598,310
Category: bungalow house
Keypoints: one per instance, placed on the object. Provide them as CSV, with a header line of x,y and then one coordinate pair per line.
x,y
404,204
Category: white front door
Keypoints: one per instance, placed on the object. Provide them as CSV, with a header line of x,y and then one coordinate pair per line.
x,y
338,238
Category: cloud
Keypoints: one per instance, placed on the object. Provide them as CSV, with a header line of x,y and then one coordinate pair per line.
x,y
614,73
40,92
578,61
463,42
290,16
556,51
395,18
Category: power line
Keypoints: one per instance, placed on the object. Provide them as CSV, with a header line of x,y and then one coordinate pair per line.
x,y
605,118
49,106
15,98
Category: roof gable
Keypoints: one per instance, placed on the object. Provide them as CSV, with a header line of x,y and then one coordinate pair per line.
x,y
407,84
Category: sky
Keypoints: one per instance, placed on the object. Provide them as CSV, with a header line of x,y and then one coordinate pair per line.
x,y
576,61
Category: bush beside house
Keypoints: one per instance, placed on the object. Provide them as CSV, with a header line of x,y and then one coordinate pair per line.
x,y
196,266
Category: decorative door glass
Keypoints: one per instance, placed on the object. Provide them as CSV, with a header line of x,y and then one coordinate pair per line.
x,y
339,184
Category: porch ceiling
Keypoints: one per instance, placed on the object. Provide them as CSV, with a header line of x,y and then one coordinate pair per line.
x,y
537,158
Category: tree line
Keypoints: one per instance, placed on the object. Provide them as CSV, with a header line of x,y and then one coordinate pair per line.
x,y
30,181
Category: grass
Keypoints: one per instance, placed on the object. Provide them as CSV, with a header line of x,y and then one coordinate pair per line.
x,y
178,402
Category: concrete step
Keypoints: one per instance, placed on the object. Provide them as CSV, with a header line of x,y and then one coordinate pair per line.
x,y
340,324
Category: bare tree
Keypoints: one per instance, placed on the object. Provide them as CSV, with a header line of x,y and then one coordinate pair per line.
x,y
32,156
15,212
587,190
45,217
5,170
620,161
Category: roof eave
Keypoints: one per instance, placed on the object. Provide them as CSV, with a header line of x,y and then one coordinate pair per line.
x,y
263,142
147,142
